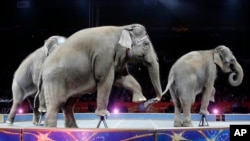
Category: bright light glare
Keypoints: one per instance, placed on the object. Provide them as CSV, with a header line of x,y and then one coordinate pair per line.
x,y
20,111
215,111
116,111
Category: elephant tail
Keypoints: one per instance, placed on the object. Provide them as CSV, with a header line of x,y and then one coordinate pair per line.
x,y
39,87
155,100
170,82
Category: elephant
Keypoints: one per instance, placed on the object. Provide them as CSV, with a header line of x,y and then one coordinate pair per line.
x,y
195,73
92,60
26,76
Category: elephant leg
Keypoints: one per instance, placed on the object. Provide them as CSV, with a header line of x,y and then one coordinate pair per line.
x,y
36,113
12,113
36,116
177,109
51,116
18,97
103,92
212,95
187,99
206,96
130,83
187,122
177,112
42,105
55,98
68,111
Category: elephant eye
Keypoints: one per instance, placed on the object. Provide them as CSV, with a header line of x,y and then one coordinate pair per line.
x,y
145,44
229,60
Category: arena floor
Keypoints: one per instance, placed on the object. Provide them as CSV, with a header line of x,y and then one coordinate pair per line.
x,y
135,121
127,123
123,127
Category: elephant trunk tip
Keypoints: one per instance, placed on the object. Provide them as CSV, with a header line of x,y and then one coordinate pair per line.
x,y
234,79
158,98
236,76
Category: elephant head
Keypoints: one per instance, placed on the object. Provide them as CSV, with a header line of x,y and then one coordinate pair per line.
x,y
225,59
139,48
52,42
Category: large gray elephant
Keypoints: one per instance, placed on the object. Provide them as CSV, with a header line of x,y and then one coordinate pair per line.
x,y
92,60
26,76
195,73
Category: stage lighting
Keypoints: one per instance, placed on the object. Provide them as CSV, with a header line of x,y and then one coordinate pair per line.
x,y
115,111
215,111
20,111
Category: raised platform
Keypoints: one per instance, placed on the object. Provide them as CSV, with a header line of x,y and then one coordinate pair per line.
x,y
134,126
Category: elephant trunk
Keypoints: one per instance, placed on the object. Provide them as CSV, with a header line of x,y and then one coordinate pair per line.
x,y
154,74
235,78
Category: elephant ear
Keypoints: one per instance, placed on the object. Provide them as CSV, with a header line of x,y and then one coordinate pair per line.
x,y
52,42
217,57
125,39
49,45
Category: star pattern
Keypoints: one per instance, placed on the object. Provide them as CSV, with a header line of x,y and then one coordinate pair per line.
x,y
177,136
42,134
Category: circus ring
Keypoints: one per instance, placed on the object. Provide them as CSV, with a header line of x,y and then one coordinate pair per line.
x,y
123,127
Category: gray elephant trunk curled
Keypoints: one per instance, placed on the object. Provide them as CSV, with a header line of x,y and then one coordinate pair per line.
x,y
195,73
235,78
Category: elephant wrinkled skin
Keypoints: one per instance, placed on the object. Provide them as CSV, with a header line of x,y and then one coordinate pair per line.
x,y
94,59
26,76
194,73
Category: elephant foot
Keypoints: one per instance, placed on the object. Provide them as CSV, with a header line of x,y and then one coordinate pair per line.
x,y
71,125
204,112
50,123
35,123
138,98
38,119
102,112
187,123
9,122
42,109
177,123
35,119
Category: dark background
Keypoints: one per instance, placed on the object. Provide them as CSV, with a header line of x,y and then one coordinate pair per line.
x,y
175,27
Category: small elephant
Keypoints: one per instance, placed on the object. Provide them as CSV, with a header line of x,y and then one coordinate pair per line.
x,y
196,72
26,76
94,59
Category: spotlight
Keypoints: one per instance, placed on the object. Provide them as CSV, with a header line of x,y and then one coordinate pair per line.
x,y
115,111
20,111
215,111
